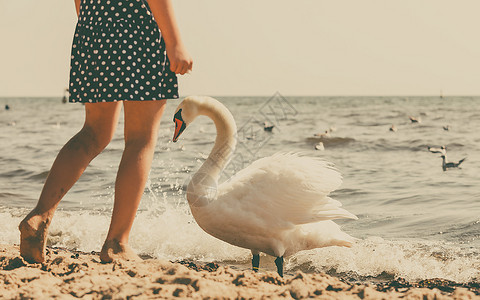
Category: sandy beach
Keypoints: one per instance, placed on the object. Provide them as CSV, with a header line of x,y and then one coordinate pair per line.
x,y
70,274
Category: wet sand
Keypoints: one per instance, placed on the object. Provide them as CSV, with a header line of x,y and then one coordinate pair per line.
x,y
71,274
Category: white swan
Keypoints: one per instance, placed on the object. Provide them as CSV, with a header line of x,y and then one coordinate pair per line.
x,y
278,205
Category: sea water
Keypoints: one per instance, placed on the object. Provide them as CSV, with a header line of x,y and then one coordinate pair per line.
x,y
415,220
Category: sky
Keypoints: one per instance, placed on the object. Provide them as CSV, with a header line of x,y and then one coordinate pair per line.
x,y
260,47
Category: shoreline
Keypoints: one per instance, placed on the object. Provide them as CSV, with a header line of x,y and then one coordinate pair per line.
x,y
74,274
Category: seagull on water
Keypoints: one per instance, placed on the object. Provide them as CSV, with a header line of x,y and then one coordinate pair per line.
x,y
325,134
442,150
415,120
268,127
449,165
320,146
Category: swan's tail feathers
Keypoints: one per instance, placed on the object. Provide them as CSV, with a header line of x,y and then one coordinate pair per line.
x,y
325,234
342,243
338,213
330,209
320,214
347,242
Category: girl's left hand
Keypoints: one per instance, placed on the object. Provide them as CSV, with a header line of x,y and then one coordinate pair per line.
x,y
180,60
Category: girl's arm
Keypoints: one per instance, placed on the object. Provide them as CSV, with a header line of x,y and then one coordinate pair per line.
x,y
180,60
77,6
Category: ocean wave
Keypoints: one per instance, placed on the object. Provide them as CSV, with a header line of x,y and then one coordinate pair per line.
x,y
382,144
169,231
412,145
330,141
391,181
375,257
16,173
41,176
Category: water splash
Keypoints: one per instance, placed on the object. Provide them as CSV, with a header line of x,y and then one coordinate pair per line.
x,y
169,231
411,260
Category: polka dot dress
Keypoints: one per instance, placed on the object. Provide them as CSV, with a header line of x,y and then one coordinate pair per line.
x,y
118,54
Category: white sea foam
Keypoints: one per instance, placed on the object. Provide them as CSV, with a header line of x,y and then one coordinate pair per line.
x,y
9,233
170,232
407,259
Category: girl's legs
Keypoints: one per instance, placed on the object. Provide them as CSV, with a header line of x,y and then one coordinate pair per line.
x,y
142,120
100,123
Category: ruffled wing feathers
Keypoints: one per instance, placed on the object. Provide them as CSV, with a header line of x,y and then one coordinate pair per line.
x,y
286,189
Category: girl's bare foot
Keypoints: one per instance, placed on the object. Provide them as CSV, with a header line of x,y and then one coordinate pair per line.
x,y
114,250
33,237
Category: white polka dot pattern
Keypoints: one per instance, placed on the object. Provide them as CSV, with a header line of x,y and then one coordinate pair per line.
x,y
118,54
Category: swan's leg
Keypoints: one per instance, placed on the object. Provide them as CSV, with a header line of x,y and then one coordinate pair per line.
x,y
255,262
279,263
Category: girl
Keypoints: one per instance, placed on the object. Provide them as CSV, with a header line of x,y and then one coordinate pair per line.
x,y
119,57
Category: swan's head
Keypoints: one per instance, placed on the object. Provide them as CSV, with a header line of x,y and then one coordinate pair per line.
x,y
185,113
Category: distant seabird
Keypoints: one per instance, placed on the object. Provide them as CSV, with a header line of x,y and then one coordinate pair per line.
x,y
393,128
446,128
414,119
65,96
448,165
268,127
322,135
320,146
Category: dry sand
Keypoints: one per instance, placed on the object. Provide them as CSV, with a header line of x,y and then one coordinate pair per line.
x,y
69,274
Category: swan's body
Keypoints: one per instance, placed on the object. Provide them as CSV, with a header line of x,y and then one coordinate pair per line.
x,y
278,205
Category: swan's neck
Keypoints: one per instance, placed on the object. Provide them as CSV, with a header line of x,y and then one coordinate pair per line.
x,y
202,188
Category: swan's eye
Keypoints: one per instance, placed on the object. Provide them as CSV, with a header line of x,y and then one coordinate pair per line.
x,y
178,115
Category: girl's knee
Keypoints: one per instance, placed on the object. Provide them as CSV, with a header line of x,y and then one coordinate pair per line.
x,y
89,140
140,141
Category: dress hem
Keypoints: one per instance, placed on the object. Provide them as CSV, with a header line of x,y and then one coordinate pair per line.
x,y
97,101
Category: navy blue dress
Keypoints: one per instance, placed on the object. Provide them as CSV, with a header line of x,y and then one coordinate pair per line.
x,y
118,54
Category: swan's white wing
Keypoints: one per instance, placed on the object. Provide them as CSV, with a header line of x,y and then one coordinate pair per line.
x,y
284,189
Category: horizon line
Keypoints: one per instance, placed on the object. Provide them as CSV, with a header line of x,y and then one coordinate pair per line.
x,y
271,95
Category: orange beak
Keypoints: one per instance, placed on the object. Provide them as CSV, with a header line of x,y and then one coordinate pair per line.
x,y
179,125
